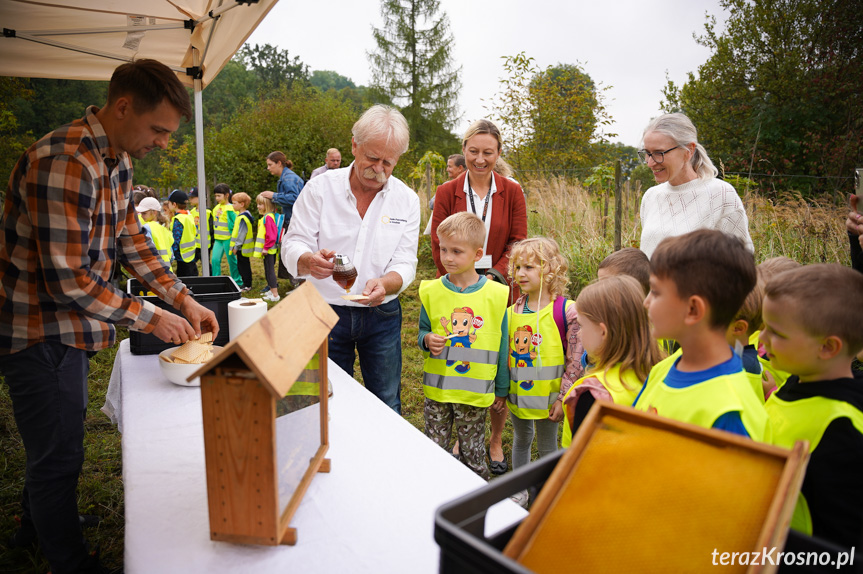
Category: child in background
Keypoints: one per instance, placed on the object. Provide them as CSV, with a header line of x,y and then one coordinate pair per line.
x,y
196,215
223,224
823,401
243,238
698,282
150,211
265,245
616,336
183,231
772,377
462,324
627,261
545,348
745,324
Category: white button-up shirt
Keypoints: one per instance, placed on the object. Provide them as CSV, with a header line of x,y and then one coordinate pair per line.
x,y
325,217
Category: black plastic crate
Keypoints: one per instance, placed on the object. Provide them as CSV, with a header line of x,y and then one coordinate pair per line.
x,y
214,293
464,549
460,525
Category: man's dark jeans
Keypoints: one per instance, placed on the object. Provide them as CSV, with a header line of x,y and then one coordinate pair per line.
x,y
48,386
376,334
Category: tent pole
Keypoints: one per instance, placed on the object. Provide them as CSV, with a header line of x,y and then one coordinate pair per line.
x,y
204,223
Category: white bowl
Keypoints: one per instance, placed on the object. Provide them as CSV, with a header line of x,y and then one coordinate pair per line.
x,y
177,373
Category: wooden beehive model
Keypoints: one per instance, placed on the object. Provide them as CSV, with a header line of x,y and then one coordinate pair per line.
x,y
239,391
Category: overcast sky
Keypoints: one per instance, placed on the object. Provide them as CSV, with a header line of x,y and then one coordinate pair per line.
x,y
625,44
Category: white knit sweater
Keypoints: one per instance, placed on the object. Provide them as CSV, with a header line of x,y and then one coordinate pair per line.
x,y
667,211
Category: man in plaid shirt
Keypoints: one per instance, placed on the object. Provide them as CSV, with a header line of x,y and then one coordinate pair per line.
x,y
67,221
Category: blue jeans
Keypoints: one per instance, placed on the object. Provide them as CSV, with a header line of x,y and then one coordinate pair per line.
x,y
376,334
48,386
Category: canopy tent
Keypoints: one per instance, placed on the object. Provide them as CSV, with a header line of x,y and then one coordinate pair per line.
x,y
87,39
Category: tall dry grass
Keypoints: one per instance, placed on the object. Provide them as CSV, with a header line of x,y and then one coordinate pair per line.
x,y
808,232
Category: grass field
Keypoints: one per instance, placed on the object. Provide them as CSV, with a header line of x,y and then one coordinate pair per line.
x,y
806,232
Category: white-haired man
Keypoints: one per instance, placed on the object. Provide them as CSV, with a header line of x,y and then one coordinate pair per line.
x,y
363,212
333,161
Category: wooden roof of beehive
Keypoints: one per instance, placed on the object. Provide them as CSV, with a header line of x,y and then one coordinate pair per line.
x,y
277,347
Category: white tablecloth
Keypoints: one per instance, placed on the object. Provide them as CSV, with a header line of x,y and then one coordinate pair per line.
x,y
373,513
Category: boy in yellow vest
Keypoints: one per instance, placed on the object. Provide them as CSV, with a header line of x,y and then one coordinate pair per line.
x,y
196,215
813,328
463,332
183,231
243,238
224,217
743,327
698,281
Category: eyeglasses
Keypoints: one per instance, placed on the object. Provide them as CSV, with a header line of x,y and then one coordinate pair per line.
x,y
657,156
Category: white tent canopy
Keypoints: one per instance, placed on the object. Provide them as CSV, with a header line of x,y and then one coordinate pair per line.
x,y
88,39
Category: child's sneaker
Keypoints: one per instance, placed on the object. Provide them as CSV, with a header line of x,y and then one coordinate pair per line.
x,y
269,297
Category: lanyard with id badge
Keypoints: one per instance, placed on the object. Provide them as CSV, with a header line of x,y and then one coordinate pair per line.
x,y
485,261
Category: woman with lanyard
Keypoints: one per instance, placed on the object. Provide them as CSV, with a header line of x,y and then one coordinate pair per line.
x,y
499,202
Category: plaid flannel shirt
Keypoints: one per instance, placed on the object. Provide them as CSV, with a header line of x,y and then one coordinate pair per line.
x,y
67,220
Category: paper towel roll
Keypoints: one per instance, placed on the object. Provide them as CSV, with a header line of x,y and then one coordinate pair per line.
x,y
242,313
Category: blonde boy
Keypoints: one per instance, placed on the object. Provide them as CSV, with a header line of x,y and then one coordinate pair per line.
x,y
822,402
627,261
463,332
698,281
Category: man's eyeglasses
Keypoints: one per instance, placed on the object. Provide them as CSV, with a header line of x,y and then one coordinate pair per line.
x,y
657,156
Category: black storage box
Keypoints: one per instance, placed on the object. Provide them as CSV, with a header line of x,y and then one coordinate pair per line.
x,y
214,293
464,548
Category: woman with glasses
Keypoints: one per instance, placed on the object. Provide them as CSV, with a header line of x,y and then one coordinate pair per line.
x,y
687,195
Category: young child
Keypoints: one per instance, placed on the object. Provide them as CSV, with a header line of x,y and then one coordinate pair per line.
x,y
183,231
265,245
627,261
150,211
545,348
698,281
462,325
823,401
196,215
223,224
243,238
771,376
745,324
616,336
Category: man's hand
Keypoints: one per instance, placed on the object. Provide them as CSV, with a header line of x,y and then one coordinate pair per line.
x,y
435,343
317,264
202,320
267,194
375,292
172,328
499,405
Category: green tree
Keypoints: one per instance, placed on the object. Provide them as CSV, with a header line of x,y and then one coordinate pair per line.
x,y
552,118
273,67
300,121
567,113
413,66
329,80
782,92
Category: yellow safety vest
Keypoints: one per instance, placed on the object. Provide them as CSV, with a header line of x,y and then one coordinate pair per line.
x,y
614,384
806,419
534,383
248,246
261,237
187,240
703,403
162,239
220,221
197,216
465,371
308,383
